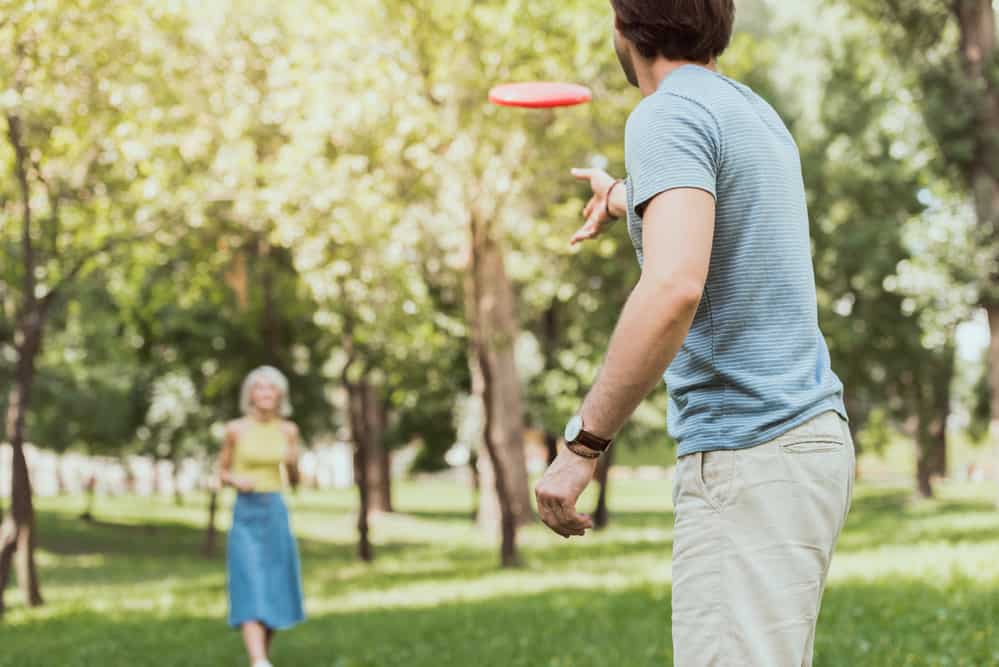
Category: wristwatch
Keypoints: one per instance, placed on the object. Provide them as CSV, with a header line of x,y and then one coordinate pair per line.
x,y
581,442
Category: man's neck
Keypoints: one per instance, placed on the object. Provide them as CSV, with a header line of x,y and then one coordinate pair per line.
x,y
651,77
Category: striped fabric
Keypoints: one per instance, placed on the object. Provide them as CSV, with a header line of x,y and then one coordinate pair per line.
x,y
754,364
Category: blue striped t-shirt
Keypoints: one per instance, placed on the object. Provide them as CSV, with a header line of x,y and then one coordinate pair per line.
x,y
754,364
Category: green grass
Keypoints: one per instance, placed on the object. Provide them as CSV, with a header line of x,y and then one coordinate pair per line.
x,y
912,584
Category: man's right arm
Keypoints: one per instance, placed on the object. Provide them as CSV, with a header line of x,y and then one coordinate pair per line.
x,y
609,195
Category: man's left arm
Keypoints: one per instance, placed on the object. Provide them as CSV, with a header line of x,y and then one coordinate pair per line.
x,y
677,230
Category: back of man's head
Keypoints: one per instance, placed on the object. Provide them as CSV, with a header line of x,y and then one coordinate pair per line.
x,y
683,30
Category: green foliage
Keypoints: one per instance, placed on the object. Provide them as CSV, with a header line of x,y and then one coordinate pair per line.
x,y
952,107
290,177
924,40
877,433
89,392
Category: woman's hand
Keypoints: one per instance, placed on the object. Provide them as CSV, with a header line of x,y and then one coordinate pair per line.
x,y
238,483
245,485
291,454
242,485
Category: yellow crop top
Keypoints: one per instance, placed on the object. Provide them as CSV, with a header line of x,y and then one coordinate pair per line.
x,y
259,455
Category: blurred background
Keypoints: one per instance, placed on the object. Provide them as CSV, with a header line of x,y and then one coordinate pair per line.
x,y
192,189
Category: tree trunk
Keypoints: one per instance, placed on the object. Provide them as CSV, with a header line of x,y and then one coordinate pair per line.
x,y
859,414
89,488
369,413
551,445
549,348
601,516
993,311
269,323
491,304
489,308
932,462
178,497
924,485
208,546
977,22
496,506
17,533
379,473
934,414
60,479
473,465
157,478
357,399
488,514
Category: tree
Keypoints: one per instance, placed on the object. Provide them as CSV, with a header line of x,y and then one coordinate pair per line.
x,y
949,52
307,167
478,191
73,160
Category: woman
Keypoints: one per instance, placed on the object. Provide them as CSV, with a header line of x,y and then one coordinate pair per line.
x,y
259,454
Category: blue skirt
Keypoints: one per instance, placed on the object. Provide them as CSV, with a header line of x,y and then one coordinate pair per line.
x,y
264,576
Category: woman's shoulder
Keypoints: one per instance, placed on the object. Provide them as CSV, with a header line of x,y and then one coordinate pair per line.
x,y
289,428
235,427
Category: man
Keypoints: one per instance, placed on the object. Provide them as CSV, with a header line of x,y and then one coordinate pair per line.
x,y
716,210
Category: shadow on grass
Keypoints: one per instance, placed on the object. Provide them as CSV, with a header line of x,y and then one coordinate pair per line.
x,y
123,553
450,516
892,518
892,622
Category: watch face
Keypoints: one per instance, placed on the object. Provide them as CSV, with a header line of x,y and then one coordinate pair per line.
x,y
573,428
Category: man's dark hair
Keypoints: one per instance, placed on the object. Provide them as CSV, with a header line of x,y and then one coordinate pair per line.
x,y
694,30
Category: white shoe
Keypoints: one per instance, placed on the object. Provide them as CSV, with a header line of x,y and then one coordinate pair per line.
x,y
262,663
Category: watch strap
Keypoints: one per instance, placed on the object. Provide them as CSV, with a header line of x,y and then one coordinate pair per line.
x,y
582,450
592,441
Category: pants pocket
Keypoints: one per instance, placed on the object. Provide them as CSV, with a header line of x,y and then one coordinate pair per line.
x,y
716,472
813,446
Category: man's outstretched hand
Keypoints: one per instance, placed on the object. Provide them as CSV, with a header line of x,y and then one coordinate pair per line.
x,y
560,488
595,211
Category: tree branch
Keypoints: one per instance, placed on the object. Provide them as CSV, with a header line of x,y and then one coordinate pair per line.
x,y
55,201
16,137
82,261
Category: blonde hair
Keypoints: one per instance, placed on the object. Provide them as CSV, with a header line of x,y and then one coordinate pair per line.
x,y
272,376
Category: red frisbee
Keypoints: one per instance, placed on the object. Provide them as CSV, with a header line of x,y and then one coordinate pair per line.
x,y
539,94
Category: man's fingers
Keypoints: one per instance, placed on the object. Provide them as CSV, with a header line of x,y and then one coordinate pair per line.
x,y
582,174
581,236
572,520
588,209
553,515
568,520
548,516
589,230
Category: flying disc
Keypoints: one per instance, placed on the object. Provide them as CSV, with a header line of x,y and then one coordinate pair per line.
x,y
539,94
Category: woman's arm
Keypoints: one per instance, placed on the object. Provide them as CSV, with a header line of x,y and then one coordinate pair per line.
x,y
292,453
225,460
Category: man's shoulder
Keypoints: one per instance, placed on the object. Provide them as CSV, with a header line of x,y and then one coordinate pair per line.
x,y
672,105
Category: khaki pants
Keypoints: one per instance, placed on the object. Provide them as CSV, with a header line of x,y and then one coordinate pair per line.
x,y
755,532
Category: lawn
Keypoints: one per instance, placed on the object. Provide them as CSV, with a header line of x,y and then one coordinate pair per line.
x,y
912,584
